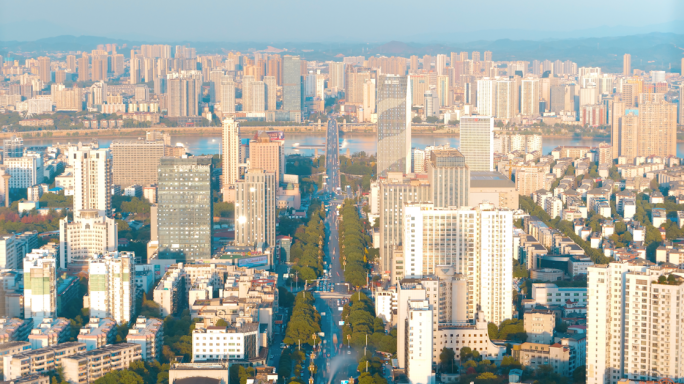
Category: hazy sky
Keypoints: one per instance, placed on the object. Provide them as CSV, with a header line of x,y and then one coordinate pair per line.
x,y
321,20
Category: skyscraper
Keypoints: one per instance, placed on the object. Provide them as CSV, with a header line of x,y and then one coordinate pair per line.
x,y
449,178
627,64
112,287
44,68
84,68
394,124
92,180
267,152
185,209
292,86
477,142
40,285
657,134
231,152
505,99
529,97
440,64
258,97
486,96
270,88
255,208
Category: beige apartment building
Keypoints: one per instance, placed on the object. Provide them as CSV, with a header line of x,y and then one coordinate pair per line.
x,y
87,367
149,334
13,347
539,325
39,360
529,179
268,155
135,161
534,355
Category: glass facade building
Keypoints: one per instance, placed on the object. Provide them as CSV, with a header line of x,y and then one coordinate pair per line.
x,y
292,84
185,208
394,125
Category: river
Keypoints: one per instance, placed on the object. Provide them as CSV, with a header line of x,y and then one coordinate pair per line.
x,y
354,142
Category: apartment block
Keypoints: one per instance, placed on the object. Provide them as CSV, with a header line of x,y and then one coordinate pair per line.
x,y
539,325
111,287
12,347
98,333
84,368
40,285
39,360
255,208
90,234
149,334
50,332
136,161
14,329
171,291
239,342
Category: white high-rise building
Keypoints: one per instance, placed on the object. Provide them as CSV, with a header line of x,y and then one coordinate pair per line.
x,y
26,171
336,73
477,142
227,98
90,234
529,97
255,208
419,342
40,285
440,64
111,286
634,323
477,242
231,152
486,96
505,99
92,180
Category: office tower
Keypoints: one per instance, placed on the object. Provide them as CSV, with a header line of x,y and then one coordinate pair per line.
x,y
84,68
488,56
13,147
136,161
440,64
449,178
231,152
255,208
258,97
89,234
25,171
227,96
634,322
292,85
657,132
477,142
184,208
477,242
419,339
505,99
182,97
369,99
111,286
44,69
444,90
394,125
267,152
40,285
271,91
92,179
486,97
395,192
71,63
529,97
247,97
627,64
336,72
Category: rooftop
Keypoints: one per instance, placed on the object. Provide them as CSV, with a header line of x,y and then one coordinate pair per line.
x,y
484,179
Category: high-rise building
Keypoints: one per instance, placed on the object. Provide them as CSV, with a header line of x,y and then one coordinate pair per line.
x,y
84,68
477,142
488,56
255,208
44,69
394,124
183,96
486,96
444,90
231,152
369,99
681,102
227,98
136,161
449,178
292,85
440,64
476,56
267,152
184,208
413,64
477,242
634,317
395,192
627,64
71,63
112,287
92,179
89,234
271,90
247,97
529,97
40,285
13,147
505,99
353,91
258,97
336,72
25,171
419,340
